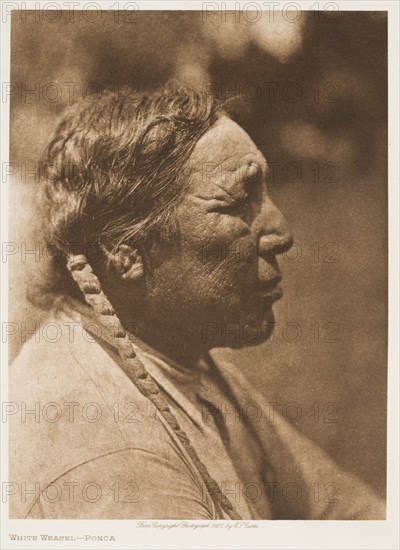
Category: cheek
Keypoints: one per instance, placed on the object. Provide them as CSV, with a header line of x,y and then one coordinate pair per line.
x,y
212,270
223,251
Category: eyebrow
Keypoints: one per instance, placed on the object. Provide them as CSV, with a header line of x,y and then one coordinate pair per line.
x,y
240,182
242,171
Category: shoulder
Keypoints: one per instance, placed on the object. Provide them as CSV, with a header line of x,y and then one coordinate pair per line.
x,y
71,405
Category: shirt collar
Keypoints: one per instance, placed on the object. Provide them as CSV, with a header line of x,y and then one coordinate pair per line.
x,y
167,372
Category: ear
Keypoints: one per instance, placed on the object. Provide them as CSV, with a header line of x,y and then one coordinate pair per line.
x,y
127,261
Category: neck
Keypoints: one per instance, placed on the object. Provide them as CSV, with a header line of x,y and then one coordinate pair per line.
x,y
175,349
174,338
174,345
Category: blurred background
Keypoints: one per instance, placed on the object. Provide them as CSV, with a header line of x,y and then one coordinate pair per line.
x,y
315,86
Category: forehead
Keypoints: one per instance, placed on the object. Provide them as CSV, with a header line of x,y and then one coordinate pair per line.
x,y
225,146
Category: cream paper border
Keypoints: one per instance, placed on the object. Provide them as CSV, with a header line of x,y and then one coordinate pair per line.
x,y
283,534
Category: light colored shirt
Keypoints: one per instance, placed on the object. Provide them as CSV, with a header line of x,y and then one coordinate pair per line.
x,y
85,443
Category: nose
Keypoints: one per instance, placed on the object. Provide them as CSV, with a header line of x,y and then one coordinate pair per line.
x,y
273,232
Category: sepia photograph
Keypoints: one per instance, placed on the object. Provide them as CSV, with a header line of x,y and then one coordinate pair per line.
x,y
197,255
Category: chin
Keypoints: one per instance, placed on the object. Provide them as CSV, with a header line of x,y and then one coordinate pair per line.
x,y
254,330
256,336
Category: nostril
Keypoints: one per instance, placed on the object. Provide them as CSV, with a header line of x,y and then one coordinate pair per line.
x,y
287,243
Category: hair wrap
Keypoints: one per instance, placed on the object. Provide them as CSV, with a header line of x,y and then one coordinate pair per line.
x,y
90,286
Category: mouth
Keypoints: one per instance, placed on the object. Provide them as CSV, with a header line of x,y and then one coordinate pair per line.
x,y
271,290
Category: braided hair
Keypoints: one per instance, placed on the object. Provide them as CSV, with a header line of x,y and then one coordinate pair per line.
x,y
111,176
90,286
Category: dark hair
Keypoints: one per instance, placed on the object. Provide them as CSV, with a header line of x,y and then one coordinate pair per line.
x,y
114,170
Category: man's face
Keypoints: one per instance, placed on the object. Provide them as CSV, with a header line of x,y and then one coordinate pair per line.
x,y
219,280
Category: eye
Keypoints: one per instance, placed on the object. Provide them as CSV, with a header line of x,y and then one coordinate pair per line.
x,y
239,207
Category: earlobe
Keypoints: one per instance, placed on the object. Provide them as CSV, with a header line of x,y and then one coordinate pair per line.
x,y
135,272
128,262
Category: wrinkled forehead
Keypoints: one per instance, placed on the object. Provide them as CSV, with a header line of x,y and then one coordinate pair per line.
x,y
225,151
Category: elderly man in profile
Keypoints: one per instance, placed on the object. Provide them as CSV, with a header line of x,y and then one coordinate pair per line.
x,y
153,204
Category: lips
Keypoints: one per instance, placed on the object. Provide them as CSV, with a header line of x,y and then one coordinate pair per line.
x,y
271,289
